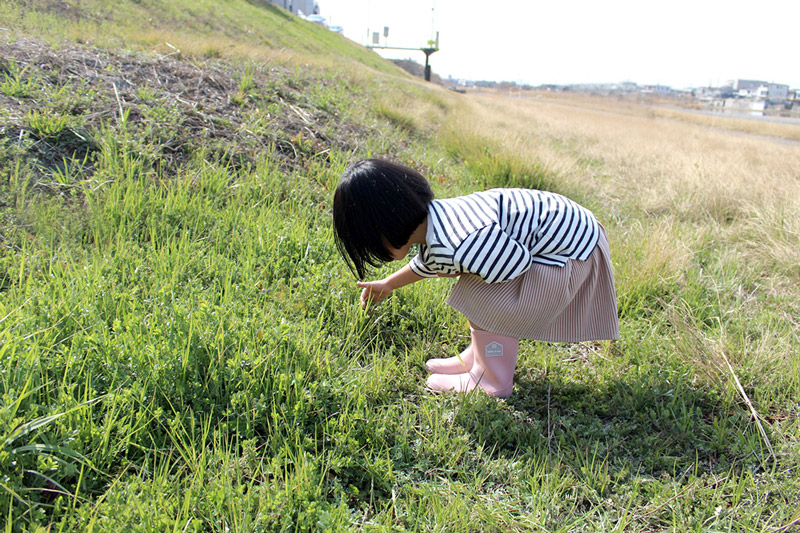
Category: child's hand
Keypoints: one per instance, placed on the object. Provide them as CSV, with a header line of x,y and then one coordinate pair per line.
x,y
374,291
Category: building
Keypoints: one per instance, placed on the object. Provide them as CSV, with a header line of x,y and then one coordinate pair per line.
x,y
661,90
298,7
745,85
773,92
712,94
760,90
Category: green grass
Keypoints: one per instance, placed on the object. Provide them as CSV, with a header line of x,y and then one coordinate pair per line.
x,y
488,165
182,348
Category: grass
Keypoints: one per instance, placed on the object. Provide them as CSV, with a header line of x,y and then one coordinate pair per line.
x,y
754,127
205,28
182,349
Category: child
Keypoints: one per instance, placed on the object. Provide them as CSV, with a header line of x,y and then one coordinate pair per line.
x,y
532,264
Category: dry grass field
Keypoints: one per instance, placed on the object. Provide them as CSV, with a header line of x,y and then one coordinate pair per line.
x,y
702,181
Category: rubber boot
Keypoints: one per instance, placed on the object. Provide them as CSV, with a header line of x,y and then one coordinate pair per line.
x,y
452,365
492,371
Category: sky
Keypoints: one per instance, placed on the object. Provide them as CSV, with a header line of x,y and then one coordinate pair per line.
x,y
679,43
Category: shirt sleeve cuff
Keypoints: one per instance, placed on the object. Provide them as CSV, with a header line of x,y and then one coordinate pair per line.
x,y
419,268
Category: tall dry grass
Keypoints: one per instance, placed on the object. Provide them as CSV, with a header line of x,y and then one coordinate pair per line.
x,y
768,128
654,168
645,154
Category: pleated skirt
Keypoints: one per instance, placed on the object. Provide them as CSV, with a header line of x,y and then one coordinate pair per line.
x,y
573,303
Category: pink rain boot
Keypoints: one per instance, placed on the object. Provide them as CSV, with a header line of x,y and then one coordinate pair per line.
x,y
452,365
492,371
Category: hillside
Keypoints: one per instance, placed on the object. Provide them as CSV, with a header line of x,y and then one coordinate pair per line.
x,y
182,346
288,77
203,29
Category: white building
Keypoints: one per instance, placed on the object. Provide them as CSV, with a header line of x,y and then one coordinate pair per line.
x,y
298,7
760,90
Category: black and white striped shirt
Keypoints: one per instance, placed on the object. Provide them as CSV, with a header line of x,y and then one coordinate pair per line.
x,y
499,233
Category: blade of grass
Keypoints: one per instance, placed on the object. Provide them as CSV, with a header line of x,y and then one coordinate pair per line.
x,y
746,399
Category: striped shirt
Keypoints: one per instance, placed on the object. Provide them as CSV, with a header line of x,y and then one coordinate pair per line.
x,y
497,234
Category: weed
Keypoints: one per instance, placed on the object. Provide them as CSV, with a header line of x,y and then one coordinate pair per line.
x,y
147,94
16,82
46,124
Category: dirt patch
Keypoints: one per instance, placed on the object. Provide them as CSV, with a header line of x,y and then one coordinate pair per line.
x,y
175,107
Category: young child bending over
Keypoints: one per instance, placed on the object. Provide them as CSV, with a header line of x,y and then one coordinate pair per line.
x,y
531,264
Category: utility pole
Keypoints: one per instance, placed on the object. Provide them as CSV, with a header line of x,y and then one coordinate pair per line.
x,y
431,49
428,51
433,45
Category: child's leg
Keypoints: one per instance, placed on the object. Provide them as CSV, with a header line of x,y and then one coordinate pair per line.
x,y
492,370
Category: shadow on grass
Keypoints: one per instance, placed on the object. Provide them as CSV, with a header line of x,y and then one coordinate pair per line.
x,y
652,421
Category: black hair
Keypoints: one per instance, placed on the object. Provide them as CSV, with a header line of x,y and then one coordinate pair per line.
x,y
377,200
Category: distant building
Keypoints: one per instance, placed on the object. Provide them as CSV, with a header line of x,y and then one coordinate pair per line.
x,y
298,7
706,93
760,90
662,90
744,85
773,92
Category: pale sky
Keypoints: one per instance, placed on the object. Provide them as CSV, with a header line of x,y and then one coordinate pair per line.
x,y
679,43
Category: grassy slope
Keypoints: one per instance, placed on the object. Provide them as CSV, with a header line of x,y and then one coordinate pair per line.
x,y
236,29
182,347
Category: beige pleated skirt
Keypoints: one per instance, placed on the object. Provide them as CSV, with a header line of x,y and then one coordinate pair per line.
x,y
573,303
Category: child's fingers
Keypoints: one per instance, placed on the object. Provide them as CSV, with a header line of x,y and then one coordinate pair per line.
x,y
372,293
366,296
